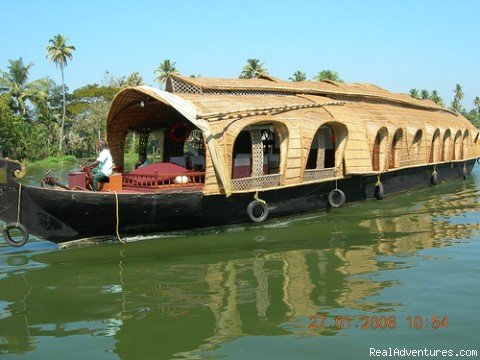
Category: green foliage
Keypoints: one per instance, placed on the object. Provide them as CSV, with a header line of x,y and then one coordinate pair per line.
x,y
59,53
327,75
473,116
436,98
114,82
414,93
476,102
134,79
15,82
87,128
164,70
21,138
55,160
83,98
427,95
424,94
8,127
253,69
298,76
458,96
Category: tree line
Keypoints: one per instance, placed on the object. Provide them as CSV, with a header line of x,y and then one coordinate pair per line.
x,y
41,119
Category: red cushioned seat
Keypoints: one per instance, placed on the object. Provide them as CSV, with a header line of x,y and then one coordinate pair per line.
x,y
160,168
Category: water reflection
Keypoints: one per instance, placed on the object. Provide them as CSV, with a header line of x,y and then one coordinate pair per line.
x,y
183,297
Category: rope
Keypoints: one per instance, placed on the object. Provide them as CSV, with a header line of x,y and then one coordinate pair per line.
x,y
336,179
434,169
258,199
19,204
117,216
378,183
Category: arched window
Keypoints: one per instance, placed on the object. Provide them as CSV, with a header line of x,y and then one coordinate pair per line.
x,y
416,150
256,156
457,146
464,151
435,147
380,150
396,145
446,152
322,151
242,155
325,157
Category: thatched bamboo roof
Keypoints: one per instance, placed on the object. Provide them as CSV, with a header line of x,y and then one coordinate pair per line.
x,y
326,88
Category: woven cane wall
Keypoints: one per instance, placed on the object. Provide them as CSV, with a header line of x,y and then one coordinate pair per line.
x,y
298,118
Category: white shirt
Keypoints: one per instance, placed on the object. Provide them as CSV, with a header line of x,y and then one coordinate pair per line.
x,y
106,162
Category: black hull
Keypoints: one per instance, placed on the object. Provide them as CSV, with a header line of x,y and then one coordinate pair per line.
x,y
61,216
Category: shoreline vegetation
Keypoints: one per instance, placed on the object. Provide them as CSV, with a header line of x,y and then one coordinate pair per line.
x,y
42,122
130,160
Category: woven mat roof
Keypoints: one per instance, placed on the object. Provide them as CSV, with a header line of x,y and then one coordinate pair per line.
x,y
356,90
206,106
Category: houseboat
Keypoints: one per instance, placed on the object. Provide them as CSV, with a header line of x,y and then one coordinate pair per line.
x,y
229,151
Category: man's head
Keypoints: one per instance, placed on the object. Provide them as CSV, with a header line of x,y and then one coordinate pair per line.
x,y
101,144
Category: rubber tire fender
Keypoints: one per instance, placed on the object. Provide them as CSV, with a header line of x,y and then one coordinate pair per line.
x,y
252,206
434,179
8,238
332,198
379,192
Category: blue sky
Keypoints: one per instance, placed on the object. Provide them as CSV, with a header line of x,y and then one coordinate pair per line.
x,y
398,45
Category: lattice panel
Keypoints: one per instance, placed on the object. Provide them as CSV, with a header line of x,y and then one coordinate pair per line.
x,y
257,153
183,87
259,182
318,174
248,92
321,148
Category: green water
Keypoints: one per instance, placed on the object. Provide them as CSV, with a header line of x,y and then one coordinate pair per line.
x,y
253,292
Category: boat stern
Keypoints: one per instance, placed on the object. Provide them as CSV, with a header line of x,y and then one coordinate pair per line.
x,y
10,170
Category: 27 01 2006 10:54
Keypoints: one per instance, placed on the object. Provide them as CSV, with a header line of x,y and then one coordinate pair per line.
x,y
322,321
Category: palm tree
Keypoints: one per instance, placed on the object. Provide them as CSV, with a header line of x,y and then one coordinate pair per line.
x,y
476,102
253,69
457,98
164,70
298,76
424,94
414,93
15,82
59,52
436,98
135,79
328,75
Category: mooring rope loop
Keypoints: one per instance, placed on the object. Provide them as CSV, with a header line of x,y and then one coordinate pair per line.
x,y
19,203
335,171
258,199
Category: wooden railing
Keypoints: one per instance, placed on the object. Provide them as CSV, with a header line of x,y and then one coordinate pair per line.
x,y
190,178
